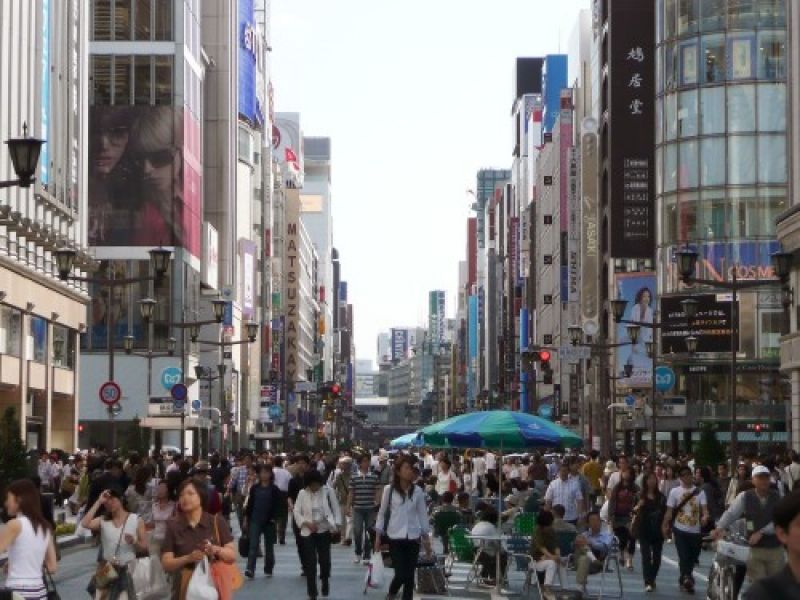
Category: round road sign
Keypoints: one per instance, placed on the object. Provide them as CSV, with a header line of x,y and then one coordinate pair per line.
x,y
179,392
110,393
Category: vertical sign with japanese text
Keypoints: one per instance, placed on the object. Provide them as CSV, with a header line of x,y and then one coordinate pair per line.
x,y
632,128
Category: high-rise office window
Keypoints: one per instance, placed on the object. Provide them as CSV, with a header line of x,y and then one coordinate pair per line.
x,y
139,20
100,80
163,19
122,20
143,79
143,15
163,81
122,81
101,20
138,79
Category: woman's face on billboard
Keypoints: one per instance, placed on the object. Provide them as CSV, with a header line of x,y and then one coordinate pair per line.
x,y
157,169
111,141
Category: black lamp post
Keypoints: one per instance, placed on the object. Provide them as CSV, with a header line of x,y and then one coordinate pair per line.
x,y
159,264
24,152
687,263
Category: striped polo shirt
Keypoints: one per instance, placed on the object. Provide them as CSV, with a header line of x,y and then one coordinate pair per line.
x,y
363,488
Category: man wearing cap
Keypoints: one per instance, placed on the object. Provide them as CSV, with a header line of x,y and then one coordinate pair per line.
x,y
757,507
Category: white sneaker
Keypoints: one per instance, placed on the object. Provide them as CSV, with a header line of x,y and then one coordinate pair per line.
x,y
357,560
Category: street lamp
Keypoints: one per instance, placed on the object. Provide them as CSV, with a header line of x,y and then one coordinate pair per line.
x,y
24,152
219,309
146,308
252,331
691,344
687,263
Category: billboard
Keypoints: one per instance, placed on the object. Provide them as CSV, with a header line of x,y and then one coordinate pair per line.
x,y
722,261
209,267
437,319
632,141
144,181
589,227
711,326
247,251
639,290
287,146
399,344
251,66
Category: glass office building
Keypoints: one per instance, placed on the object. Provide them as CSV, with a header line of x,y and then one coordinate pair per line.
x,y
722,180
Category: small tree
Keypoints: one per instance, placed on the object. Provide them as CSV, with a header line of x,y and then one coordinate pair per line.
x,y
709,451
13,457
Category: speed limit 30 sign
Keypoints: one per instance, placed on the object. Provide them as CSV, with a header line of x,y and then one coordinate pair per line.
x,y
110,393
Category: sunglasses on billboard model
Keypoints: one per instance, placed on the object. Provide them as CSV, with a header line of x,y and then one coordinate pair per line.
x,y
157,159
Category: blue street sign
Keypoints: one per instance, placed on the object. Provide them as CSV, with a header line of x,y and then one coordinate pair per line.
x,y
630,400
275,411
665,378
196,405
170,376
177,405
179,392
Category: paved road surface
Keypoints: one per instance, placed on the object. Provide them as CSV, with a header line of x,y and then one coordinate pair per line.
x,y
348,579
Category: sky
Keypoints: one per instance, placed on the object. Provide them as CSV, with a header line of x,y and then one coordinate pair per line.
x,y
416,96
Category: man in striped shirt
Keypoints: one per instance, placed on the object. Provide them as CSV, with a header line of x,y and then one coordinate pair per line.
x,y
566,491
365,494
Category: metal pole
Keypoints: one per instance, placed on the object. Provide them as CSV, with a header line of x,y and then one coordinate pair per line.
x,y
653,402
734,330
111,324
183,379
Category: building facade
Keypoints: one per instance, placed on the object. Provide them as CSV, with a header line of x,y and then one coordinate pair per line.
x,y
43,56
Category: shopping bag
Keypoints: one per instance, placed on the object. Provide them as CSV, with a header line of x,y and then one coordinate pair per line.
x,y
148,579
201,585
376,573
244,546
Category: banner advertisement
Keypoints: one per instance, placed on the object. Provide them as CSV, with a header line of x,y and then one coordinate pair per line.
x,y
639,290
399,344
287,146
589,228
209,268
247,250
251,66
144,184
711,326
291,286
722,261
632,142
573,231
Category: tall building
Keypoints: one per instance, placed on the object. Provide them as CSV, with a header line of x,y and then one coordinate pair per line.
x,y
721,181
44,87
145,190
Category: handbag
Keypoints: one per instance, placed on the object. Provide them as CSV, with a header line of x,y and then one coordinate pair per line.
x,y
148,579
227,576
244,545
201,585
106,573
680,506
636,525
50,586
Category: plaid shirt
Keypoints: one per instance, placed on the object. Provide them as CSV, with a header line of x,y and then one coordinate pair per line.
x,y
238,479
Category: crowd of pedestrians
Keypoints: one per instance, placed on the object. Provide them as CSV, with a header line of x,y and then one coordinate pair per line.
x,y
180,513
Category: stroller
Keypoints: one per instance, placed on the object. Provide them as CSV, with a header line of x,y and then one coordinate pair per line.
x,y
730,564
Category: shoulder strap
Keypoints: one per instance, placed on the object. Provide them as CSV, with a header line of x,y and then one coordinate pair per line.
x,y
388,513
121,533
685,501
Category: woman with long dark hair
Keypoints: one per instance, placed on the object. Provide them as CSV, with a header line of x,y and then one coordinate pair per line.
x,y
650,514
403,518
28,538
620,512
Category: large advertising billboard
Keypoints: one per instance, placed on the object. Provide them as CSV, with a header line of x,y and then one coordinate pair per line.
x,y
144,181
251,48
632,141
589,228
639,290
287,145
399,344
721,261
711,326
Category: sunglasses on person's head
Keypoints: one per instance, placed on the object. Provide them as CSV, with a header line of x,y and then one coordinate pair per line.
x,y
157,159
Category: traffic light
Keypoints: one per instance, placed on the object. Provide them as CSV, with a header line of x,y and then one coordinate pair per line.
x,y
543,356
548,377
336,391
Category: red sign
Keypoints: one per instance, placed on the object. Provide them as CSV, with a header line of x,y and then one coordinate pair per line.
x,y
110,393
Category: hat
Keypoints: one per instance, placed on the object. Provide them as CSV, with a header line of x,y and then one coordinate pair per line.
x,y
610,467
760,470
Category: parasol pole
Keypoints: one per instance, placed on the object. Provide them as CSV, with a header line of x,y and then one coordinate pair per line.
x,y
498,551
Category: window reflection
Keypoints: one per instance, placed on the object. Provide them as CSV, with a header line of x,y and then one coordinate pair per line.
x,y
687,177
742,14
771,107
712,15
741,163
670,7
688,13
741,108
772,13
714,57
772,55
712,109
772,159
712,165
687,114
670,167
671,116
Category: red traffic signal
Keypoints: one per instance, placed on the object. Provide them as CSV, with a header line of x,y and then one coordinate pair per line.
x,y
336,389
544,356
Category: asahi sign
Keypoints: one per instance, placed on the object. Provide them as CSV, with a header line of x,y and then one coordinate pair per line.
x,y
573,229
292,284
590,249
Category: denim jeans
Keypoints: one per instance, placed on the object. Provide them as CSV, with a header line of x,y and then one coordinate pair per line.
x,y
688,546
256,530
363,519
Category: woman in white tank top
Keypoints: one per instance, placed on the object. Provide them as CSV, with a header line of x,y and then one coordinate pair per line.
x,y
28,540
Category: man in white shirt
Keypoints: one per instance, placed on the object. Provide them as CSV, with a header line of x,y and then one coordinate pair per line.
x,y
688,503
613,479
479,465
491,462
566,491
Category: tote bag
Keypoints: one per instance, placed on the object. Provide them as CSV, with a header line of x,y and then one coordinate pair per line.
x,y
201,586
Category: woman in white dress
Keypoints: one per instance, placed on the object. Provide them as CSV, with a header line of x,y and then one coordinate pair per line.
x,y
28,538
122,534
